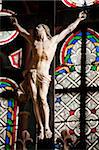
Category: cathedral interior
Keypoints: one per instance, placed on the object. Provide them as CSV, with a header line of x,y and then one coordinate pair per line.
x,y
74,90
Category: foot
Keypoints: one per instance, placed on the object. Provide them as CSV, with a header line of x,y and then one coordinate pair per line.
x,y
48,133
25,134
41,135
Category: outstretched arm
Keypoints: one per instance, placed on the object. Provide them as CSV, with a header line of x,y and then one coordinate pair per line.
x,y
71,27
22,31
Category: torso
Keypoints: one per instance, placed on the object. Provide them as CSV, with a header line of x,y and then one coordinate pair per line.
x,y
42,55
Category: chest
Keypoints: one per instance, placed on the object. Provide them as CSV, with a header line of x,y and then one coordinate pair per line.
x,y
41,48
38,45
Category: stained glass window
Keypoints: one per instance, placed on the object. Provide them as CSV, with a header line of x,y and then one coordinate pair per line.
x,y
79,3
92,120
70,60
68,63
68,88
7,36
8,115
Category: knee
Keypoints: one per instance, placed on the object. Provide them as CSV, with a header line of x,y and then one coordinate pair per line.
x,y
44,100
42,96
34,99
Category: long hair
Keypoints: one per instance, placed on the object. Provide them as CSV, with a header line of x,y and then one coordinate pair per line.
x,y
47,30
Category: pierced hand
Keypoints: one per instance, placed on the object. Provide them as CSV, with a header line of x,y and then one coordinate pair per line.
x,y
14,20
82,15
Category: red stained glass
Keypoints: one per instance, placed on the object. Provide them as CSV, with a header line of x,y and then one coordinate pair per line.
x,y
79,3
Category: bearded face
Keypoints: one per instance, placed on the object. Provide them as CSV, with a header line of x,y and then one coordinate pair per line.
x,y
41,28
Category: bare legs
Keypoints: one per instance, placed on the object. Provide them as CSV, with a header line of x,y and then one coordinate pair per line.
x,y
36,108
43,94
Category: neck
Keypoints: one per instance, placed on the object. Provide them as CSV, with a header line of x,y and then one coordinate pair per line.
x,y
44,37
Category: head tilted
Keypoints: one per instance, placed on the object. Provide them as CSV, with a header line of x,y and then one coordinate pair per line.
x,y
47,30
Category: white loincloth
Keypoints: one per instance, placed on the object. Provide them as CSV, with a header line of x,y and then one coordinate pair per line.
x,y
39,78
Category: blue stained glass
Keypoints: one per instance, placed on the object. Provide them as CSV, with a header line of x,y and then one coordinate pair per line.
x,y
58,100
9,103
74,41
8,128
62,71
87,33
69,51
7,140
93,40
97,59
9,115
69,61
79,34
97,48
2,85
